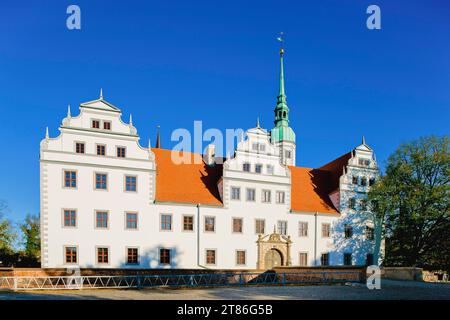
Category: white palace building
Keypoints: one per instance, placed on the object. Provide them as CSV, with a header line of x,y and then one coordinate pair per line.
x,y
108,202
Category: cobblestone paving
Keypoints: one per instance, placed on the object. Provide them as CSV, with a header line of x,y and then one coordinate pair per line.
x,y
389,290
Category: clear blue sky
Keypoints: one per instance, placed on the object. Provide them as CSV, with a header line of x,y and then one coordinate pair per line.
x,y
173,62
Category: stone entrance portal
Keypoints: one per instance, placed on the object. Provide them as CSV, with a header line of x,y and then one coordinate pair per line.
x,y
273,251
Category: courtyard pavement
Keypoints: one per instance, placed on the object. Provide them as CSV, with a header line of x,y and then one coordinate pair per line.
x,y
390,290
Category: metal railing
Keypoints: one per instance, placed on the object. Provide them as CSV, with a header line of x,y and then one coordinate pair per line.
x,y
185,280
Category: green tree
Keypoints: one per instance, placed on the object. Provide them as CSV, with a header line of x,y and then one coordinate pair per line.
x,y
7,235
413,199
32,241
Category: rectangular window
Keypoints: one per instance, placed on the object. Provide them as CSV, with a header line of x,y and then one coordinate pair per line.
x,y
303,259
210,256
107,125
95,124
282,227
70,179
288,154
325,259
130,183
121,152
101,181
260,226
164,256
131,220
251,194
364,162
303,229
235,193
240,257
132,256
370,233
210,224
188,223
369,259
71,254
246,167
258,168
70,218
266,196
101,150
355,180
102,255
237,225
352,203
269,169
363,204
280,197
262,147
79,147
347,259
364,181
325,230
166,222
101,218
348,231
255,146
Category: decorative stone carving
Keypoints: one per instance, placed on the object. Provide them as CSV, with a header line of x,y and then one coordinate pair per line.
x,y
273,250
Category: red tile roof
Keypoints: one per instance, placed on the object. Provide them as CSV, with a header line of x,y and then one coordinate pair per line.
x,y
335,168
310,189
186,183
196,183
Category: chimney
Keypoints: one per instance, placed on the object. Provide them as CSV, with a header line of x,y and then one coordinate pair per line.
x,y
209,156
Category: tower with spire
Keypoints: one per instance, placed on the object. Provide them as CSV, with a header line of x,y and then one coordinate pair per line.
x,y
282,136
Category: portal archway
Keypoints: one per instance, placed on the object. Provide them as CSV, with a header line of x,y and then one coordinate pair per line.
x,y
273,251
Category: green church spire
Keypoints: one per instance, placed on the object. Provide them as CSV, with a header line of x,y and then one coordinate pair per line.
x,y
282,109
282,131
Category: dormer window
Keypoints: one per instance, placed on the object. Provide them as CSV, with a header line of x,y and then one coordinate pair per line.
x,y
363,162
258,147
95,124
246,167
258,168
107,125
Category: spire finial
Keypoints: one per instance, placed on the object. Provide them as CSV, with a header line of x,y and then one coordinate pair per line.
x,y
158,137
131,119
363,140
101,93
257,123
281,41
281,110
68,111
46,133
149,144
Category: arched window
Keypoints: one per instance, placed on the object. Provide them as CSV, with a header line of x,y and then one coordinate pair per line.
x,y
284,114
